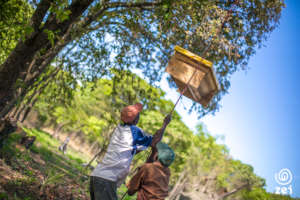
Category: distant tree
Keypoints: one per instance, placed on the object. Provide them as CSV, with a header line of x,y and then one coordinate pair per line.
x,y
210,173
95,108
260,193
92,36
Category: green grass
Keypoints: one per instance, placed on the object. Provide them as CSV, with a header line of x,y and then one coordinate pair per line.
x,y
3,195
56,167
76,158
7,147
121,192
47,142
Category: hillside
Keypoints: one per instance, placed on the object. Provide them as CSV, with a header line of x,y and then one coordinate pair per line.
x,y
203,168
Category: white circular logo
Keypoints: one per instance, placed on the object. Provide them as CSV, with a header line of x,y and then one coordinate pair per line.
x,y
284,177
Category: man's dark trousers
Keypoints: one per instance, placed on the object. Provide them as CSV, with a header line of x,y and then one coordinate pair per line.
x,y
102,189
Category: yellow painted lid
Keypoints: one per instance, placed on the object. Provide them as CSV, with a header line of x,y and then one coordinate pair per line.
x,y
193,56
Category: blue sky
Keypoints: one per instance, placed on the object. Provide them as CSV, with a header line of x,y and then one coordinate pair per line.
x,y
260,116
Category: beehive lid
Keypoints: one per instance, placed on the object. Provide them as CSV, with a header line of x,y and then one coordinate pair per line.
x,y
203,85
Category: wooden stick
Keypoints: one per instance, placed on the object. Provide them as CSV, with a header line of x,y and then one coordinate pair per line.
x,y
183,91
124,195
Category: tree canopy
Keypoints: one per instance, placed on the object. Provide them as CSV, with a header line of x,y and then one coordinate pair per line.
x,y
88,38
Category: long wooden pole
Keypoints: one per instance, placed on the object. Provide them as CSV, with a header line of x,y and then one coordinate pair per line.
x,y
183,91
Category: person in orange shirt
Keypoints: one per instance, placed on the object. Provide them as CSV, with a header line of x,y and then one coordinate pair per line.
x,y
152,179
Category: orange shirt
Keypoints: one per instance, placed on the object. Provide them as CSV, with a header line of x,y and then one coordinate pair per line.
x,y
151,181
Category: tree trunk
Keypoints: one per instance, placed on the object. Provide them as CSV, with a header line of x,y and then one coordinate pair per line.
x,y
57,130
28,110
26,62
224,196
177,186
6,127
19,60
31,100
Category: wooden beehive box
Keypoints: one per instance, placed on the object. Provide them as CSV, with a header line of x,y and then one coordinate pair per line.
x,y
203,86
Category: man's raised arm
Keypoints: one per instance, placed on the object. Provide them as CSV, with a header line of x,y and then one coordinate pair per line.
x,y
159,133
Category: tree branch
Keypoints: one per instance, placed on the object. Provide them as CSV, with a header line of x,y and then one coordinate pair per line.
x,y
40,13
234,191
143,5
134,5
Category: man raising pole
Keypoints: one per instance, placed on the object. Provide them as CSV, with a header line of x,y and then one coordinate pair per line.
x,y
126,141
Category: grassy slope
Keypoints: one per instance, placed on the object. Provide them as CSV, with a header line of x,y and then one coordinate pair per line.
x,y
41,172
